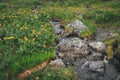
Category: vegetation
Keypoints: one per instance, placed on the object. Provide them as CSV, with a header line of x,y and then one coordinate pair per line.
x,y
113,46
59,74
91,32
52,73
27,38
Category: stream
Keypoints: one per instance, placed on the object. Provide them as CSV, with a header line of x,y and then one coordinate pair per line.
x,y
93,66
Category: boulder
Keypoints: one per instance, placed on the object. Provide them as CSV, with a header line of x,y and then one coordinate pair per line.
x,y
98,46
110,72
71,47
76,27
57,63
96,70
97,67
95,57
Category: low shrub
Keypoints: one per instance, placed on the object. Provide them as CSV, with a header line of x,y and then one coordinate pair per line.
x,y
26,40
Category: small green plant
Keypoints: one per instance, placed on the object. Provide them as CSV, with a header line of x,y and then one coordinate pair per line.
x,y
63,15
59,74
112,46
90,32
3,5
54,73
106,17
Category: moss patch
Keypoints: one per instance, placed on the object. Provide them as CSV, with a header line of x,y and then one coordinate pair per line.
x,y
113,46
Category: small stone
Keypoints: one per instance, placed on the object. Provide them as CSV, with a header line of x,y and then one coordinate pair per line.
x,y
58,63
98,46
96,57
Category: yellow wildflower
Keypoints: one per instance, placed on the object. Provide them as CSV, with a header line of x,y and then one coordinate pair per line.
x,y
37,78
13,24
33,31
38,33
23,27
36,17
33,39
15,16
0,25
25,39
42,50
44,46
5,21
43,29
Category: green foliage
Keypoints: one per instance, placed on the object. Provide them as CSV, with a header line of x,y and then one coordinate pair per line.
x,y
106,17
62,15
54,73
26,40
58,74
102,16
3,5
113,46
90,32
114,4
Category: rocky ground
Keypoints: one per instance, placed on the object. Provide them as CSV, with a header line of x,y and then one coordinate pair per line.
x,y
87,57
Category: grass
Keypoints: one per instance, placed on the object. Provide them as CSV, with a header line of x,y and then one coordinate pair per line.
x,y
90,32
62,14
58,73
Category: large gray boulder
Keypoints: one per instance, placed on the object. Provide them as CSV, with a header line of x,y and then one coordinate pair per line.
x,y
68,48
77,27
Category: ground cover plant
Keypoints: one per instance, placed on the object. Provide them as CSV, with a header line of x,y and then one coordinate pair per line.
x,y
25,41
